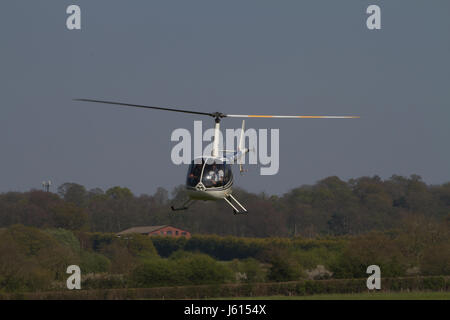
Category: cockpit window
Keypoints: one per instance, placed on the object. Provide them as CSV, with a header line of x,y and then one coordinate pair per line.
x,y
228,174
194,174
215,173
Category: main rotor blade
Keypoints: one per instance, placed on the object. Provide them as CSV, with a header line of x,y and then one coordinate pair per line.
x,y
146,107
289,117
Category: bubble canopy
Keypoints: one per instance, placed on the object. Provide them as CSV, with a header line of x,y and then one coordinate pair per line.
x,y
211,172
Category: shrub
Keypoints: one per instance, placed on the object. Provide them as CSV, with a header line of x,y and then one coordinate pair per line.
x,y
140,246
436,260
283,267
157,272
202,269
92,262
165,246
248,270
434,283
182,269
65,238
371,249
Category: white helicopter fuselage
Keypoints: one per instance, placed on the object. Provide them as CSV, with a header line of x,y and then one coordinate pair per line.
x,y
207,195
209,178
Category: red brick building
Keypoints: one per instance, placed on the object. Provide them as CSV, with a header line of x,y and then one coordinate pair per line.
x,y
165,230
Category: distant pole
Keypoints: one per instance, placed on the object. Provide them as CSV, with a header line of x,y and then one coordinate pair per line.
x,y
46,185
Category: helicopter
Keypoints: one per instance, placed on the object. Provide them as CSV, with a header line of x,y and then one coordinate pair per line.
x,y
209,177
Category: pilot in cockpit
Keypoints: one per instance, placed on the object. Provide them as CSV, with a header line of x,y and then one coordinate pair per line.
x,y
215,174
195,174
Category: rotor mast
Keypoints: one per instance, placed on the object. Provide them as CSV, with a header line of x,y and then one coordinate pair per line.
x,y
215,150
217,117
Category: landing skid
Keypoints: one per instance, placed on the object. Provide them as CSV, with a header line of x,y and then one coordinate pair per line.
x,y
185,205
230,199
234,204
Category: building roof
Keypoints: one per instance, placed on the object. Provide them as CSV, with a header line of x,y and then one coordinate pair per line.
x,y
141,230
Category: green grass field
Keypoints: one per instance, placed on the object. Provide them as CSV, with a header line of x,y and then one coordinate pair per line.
x,y
360,296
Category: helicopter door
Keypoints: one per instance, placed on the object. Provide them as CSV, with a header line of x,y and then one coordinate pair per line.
x,y
228,174
194,174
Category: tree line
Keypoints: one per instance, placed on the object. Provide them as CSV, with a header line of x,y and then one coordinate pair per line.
x,y
329,207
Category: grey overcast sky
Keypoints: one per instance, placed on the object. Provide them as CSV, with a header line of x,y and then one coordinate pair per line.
x,y
252,56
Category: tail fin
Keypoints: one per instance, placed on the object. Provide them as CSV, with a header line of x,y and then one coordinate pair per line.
x,y
242,138
241,148
238,156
